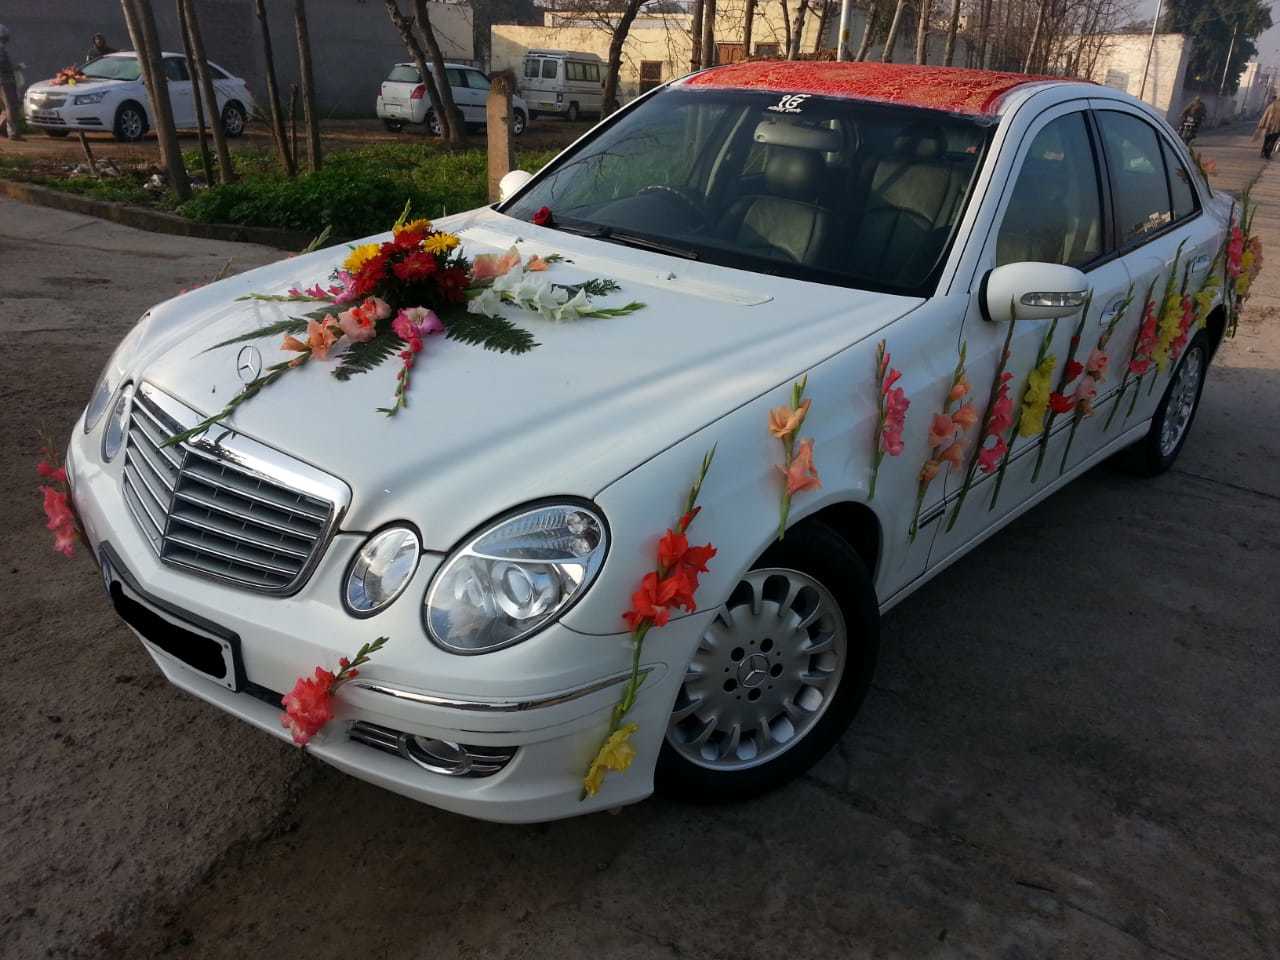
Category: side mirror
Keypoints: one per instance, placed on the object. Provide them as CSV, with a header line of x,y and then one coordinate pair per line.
x,y
512,183
1038,291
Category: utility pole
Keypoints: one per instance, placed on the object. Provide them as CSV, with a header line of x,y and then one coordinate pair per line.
x,y
1146,65
1227,66
846,14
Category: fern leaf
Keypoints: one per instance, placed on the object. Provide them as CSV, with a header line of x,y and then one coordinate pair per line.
x,y
492,333
596,287
363,357
291,325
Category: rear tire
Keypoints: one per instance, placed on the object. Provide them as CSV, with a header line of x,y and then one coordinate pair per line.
x,y
768,693
433,124
393,126
131,122
1171,424
573,113
233,119
518,123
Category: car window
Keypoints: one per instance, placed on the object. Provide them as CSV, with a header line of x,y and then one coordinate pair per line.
x,y
175,68
477,80
217,73
549,69
1137,175
1184,197
404,73
531,68
455,77
1055,212
112,68
827,189
592,71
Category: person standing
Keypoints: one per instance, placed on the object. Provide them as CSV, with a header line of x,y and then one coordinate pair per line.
x,y
98,47
10,116
1269,127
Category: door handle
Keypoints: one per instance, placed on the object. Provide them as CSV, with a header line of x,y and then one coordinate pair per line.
x,y
1200,262
1109,312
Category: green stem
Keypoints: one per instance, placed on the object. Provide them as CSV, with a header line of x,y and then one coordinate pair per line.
x,y
1124,385
1133,402
1071,436
251,390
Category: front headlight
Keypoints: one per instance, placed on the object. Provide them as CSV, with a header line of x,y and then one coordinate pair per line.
x,y
112,374
117,425
515,577
383,567
83,98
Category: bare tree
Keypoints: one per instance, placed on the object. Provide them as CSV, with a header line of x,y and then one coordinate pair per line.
x,y
894,26
615,54
797,30
786,29
984,37
1035,38
457,129
307,85
404,26
206,162
204,80
709,33
141,21
273,93
868,31
949,52
748,22
824,18
923,14
695,27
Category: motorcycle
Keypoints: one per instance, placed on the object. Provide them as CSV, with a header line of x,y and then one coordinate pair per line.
x,y
1189,128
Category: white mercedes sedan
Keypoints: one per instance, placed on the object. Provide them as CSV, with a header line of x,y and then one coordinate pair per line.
x,y
113,98
900,305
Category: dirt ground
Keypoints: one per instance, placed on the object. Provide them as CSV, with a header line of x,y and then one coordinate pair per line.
x,y
1070,750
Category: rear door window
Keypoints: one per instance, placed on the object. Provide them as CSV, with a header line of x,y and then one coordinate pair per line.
x,y
455,77
1138,182
175,69
549,69
404,73
1185,203
476,80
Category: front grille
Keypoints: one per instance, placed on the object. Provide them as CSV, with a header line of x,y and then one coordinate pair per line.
x,y
48,101
204,508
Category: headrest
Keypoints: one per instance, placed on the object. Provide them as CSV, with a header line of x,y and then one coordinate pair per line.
x,y
791,173
920,141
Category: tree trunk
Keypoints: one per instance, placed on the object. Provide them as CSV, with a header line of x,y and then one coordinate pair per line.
x,y
207,93
1035,37
949,53
306,79
891,40
984,39
824,18
273,92
748,23
615,54
797,30
457,129
695,37
923,13
404,26
709,33
786,30
206,161
868,31
144,22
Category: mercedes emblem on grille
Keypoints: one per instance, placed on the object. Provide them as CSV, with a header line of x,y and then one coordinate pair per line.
x,y
248,364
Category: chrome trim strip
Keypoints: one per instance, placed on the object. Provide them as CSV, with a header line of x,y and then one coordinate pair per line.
x,y
495,706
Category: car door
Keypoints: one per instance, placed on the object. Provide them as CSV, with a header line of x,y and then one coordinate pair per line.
x,y
1053,209
1158,209
181,91
478,93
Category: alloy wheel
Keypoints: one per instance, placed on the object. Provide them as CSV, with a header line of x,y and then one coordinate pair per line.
x,y
766,669
131,124
1183,395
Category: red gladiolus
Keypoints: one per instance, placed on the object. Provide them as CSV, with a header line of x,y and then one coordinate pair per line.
x,y
542,217
308,706
50,472
651,601
1073,370
1059,403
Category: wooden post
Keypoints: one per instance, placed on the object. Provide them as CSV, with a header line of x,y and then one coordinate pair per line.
x,y
498,117
88,154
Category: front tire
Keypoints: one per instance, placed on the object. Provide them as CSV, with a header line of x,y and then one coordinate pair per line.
x,y
573,113
778,674
131,122
1171,424
233,119
518,123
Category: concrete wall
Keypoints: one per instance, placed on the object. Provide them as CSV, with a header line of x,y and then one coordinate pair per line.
x,y
1121,60
665,39
353,44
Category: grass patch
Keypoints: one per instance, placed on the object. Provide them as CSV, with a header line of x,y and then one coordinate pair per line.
x,y
357,192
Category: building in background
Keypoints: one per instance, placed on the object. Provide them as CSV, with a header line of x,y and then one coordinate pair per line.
x,y
353,43
1118,59
1257,87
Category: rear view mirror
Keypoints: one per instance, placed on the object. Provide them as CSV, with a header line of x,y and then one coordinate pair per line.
x,y
1037,291
512,183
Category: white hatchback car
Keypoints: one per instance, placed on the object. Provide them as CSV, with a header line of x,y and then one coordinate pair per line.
x,y
786,225
402,98
113,97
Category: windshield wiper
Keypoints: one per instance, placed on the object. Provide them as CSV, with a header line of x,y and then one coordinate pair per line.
x,y
644,243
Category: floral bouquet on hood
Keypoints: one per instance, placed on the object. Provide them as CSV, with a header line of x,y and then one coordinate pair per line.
x,y
387,298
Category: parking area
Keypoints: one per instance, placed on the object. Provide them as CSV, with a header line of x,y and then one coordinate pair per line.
x,y
1070,750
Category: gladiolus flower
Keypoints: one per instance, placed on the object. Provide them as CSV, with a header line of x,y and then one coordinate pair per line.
x,y
671,548
1073,369
651,601
1087,390
784,422
616,754
50,472
929,470
1096,365
954,454
1235,251
308,706
941,429
360,323
965,417
486,266
989,457
802,474
412,324
320,338
542,217
1059,403
958,390
536,264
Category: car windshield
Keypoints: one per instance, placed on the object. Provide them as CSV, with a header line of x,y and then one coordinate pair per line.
x,y
112,68
832,190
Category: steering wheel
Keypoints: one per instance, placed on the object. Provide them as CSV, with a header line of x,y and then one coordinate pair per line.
x,y
691,202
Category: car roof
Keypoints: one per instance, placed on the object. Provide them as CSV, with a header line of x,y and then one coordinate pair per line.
x,y
566,54
447,63
953,89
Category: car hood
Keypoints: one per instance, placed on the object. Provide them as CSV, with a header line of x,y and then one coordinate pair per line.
x,y
485,431
92,86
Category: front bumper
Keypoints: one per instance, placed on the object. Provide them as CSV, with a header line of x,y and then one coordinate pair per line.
x,y
548,697
65,118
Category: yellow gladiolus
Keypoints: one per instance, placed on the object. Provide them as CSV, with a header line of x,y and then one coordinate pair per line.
x,y
1168,329
359,256
616,753
1035,399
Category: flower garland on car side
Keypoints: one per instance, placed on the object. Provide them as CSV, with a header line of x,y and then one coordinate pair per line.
x,y
797,468
946,437
671,585
309,705
891,420
1095,371
59,512
389,297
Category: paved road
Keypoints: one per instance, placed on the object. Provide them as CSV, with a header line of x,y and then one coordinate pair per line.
x,y
1070,750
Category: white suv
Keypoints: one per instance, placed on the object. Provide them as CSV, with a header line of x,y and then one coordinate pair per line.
x,y
113,97
403,98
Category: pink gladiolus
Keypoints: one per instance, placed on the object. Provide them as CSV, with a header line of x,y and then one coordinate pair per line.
x,y
1087,389
895,417
50,472
965,417
802,474
61,520
487,266
1096,365
941,429
892,377
308,706
414,323
360,323
954,454
958,390
1235,251
989,457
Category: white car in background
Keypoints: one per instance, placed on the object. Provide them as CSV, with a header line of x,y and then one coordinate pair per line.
x,y
564,83
403,98
114,98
